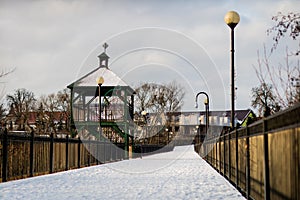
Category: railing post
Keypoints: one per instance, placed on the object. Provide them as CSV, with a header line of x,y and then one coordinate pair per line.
x,y
247,164
220,156
104,150
4,158
97,153
110,145
266,161
67,152
211,146
216,154
51,153
88,153
229,156
31,154
224,154
78,153
236,159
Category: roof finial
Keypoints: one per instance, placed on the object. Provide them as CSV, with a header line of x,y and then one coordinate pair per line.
x,y
105,45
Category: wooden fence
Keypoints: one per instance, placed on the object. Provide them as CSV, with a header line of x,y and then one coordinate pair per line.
x,y
261,160
29,155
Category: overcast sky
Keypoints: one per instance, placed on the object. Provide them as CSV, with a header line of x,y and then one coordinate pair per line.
x,y
52,43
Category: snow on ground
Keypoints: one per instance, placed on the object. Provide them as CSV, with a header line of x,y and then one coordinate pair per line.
x,y
180,174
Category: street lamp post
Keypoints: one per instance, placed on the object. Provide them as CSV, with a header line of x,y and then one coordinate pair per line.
x,y
197,141
206,103
232,18
100,81
167,130
144,114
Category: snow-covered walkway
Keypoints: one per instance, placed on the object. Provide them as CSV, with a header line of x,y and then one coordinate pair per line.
x,y
180,174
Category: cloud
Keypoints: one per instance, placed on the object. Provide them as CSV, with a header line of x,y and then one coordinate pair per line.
x,y
52,42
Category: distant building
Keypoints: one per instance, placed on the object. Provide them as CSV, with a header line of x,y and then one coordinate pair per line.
x,y
186,125
216,118
40,122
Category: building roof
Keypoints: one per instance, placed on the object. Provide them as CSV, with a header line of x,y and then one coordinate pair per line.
x,y
56,116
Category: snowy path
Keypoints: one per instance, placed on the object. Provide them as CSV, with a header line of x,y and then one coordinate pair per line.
x,y
180,174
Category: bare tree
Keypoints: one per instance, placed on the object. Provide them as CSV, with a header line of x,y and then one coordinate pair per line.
x,y
41,119
159,98
4,73
143,97
48,104
64,106
54,111
175,94
284,78
264,100
2,115
280,77
20,104
285,24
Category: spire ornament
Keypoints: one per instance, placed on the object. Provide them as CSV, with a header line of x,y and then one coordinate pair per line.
x,y
105,46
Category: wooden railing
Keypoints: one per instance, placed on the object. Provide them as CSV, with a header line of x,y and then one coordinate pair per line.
x,y
261,160
27,155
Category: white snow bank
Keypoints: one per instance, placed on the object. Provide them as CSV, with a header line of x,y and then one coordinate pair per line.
x,y
180,174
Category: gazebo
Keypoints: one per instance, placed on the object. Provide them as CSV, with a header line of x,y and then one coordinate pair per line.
x,y
108,118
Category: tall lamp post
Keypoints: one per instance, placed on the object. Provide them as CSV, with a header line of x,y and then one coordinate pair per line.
x,y
206,103
100,81
232,18
167,130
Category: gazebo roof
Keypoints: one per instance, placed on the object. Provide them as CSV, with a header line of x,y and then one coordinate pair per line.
x,y
89,80
111,80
